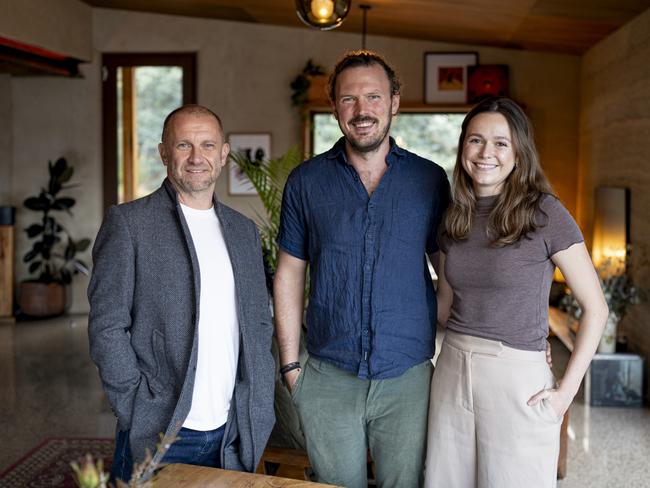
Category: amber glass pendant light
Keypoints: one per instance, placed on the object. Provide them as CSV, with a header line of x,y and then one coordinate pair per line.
x,y
323,14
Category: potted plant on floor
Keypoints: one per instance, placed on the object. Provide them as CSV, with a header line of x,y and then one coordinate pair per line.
x,y
53,256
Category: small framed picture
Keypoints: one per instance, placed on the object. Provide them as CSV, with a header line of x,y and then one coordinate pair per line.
x,y
254,147
445,76
485,81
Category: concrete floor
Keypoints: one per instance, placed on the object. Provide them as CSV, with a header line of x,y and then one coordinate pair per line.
x,y
50,388
608,447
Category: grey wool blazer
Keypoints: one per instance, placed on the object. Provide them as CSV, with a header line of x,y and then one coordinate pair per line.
x,y
144,312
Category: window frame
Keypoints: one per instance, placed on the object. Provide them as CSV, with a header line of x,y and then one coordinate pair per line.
x,y
308,126
110,64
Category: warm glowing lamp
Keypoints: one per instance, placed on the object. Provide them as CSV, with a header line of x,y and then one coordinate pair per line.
x,y
322,10
322,14
611,228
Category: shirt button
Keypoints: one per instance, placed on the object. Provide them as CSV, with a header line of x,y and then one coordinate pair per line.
x,y
365,331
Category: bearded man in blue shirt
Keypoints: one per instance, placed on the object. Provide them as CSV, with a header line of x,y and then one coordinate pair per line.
x,y
363,215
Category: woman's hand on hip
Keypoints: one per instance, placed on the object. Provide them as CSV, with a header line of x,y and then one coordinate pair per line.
x,y
558,400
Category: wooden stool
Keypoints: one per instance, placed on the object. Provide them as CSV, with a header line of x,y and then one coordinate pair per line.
x,y
294,464
285,462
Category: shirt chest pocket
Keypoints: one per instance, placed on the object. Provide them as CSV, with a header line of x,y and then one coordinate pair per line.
x,y
410,224
337,227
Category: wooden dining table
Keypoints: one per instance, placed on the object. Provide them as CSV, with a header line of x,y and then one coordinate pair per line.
x,y
187,476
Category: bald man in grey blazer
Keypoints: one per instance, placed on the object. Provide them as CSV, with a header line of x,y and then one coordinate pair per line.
x,y
179,325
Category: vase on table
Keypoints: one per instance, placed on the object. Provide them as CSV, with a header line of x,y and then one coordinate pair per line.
x,y
607,343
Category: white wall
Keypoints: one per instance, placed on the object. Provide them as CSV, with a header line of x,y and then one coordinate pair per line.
x,y
56,117
244,71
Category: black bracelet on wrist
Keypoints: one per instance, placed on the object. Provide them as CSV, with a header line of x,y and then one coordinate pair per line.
x,y
289,367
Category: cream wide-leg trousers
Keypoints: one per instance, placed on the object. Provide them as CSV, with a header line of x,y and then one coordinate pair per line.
x,y
482,433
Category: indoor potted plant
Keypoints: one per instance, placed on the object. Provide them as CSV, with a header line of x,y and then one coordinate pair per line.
x,y
619,291
309,86
53,256
268,179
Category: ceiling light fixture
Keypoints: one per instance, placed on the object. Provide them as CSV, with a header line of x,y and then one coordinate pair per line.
x,y
322,14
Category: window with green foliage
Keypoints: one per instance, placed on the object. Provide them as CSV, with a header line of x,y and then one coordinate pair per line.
x,y
138,91
428,134
150,93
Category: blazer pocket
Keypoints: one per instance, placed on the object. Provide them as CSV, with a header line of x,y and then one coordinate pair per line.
x,y
160,379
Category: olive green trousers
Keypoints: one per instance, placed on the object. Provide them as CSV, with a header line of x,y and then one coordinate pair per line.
x,y
344,416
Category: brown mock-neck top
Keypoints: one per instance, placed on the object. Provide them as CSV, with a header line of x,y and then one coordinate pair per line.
x,y
502,293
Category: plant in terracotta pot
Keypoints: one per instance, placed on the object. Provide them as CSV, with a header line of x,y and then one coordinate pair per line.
x,y
309,86
53,256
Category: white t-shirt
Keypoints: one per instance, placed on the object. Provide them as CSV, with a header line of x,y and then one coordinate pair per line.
x,y
218,331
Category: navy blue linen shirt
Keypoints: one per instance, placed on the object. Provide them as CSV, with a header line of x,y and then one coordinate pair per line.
x,y
372,308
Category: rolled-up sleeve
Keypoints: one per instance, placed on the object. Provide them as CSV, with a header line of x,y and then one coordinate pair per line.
x,y
292,235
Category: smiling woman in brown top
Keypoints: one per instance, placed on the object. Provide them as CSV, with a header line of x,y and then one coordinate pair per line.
x,y
495,408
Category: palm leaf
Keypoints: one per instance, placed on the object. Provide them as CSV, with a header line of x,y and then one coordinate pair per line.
x,y
268,178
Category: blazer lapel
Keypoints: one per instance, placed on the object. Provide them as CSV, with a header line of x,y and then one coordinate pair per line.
x,y
236,245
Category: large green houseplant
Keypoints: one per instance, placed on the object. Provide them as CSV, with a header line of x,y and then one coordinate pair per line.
x,y
268,179
53,257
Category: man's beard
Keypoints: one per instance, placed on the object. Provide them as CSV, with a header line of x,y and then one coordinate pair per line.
x,y
373,145
191,186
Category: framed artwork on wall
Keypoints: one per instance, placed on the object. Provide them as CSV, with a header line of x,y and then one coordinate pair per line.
x,y
445,76
256,147
485,81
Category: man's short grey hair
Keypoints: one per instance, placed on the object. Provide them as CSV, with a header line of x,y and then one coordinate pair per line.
x,y
191,109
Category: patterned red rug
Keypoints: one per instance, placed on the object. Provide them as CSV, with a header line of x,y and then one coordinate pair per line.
x,y
48,464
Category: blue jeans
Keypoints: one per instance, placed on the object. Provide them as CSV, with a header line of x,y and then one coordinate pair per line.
x,y
201,448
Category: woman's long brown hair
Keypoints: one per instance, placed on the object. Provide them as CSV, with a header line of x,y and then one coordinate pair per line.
x,y
514,213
